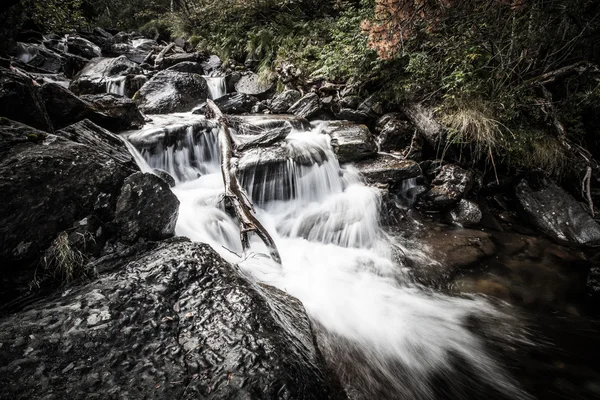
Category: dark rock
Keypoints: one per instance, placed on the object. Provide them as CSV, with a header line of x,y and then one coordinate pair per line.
x,y
118,113
191,67
348,114
283,101
83,47
395,132
64,108
251,84
259,124
448,188
231,80
146,208
133,53
102,33
593,282
371,106
20,101
351,142
100,73
466,213
48,182
174,59
556,213
236,103
388,170
40,57
165,176
179,319
73,64
351,102
170,91
307,107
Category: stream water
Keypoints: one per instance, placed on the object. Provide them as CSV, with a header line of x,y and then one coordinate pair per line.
x,y
386,336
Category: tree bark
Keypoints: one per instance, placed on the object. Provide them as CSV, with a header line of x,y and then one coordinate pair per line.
x,y
234,193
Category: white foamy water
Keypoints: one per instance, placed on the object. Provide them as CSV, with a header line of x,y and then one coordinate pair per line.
x,y
116,85
378,330
217,86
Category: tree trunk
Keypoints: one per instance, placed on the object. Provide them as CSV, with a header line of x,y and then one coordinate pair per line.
x,y
234,193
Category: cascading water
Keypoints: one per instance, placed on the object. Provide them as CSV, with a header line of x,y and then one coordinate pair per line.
x,y
385,336
217,86
116,85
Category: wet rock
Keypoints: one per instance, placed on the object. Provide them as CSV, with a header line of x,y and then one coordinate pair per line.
x,y
179,319
448,188
83,47
307,107
177,58
64,108
466,213
100,73
170,91
20,101
351,142
348,114
40,57
556,213
146,208
48,182
165,176
395,132
191,67
283,101
249,83
236,103
212,63
351,102
118,113
388,170
258,124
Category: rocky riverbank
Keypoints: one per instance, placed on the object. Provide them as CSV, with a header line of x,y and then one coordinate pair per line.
x,y
98,298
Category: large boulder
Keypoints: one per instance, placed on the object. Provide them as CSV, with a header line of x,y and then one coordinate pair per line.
x,y
118,112
174,59
83,47
251,84
38,56
449,186
191,67
100,73
146,208
283,101
466,213
351,142
171,91
307,106
386,169
49,182
395,132
556,213
64,108
20,101
174,322
232,103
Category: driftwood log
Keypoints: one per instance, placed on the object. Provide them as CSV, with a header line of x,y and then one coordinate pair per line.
x,y
235,195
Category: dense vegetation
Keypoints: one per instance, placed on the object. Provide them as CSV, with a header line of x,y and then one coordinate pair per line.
x,y
515,81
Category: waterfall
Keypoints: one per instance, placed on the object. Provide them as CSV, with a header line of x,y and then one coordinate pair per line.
x,y
217,86
385,336
116,85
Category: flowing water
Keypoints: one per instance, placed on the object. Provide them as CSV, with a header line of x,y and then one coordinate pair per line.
x,y
216,86
385,336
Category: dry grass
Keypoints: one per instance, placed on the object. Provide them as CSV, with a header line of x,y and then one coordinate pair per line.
x,y
63,262
549,155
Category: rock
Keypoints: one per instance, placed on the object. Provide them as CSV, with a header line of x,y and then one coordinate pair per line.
x,y
165,176
348,114
83,47
351,102
213,63
466,213
100,73
49,182
20,101
448,188
191,67
40,57
233,103
251,84
174,59
231,80
283,101
128,50
170,91
179,319
118,113
306,107
64,108
146,208
259,124
593,282
351,142
388,170
395,132
556,213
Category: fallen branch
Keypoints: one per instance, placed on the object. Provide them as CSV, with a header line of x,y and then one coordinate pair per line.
x,y
234,193
160,57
